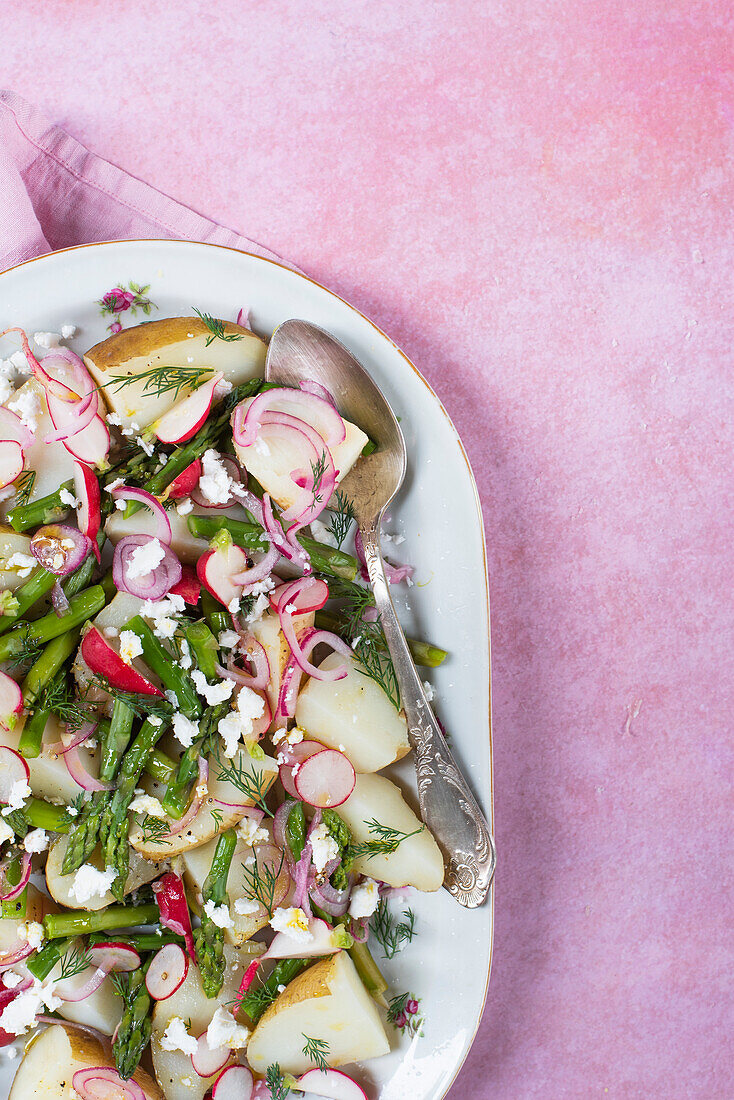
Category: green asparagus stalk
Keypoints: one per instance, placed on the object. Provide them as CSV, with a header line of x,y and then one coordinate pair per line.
x,y
205,648
255,1001
57,925
324,559
209,938
115,821
42,962
81,577
423,653
176,796
15,908
17,822
31,737
86,831
38,585
133,1032
42,671
44,815
215,615
295,830
48,509
171,675
145,941
82,607
160,766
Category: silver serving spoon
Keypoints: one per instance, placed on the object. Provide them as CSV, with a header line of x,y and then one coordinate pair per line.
x,y
299,351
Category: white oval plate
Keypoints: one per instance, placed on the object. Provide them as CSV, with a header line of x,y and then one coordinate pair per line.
x,y
447,964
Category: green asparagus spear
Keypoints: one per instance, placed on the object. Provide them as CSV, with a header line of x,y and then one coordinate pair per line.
x,y
113,916
42,671
133,1032
255,1001
31,737
205,648
295,830
423,653
160,766
171,675
38,585
144,941
86,831
176,796
216,616
44,815
82,607
48,509
209,938
42,962
14,908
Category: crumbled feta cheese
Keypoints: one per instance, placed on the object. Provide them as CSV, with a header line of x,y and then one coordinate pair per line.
x,y
222,388
161,609
144,559
11,980
36,841
293,922
428,688
67,331
322,533
110,631
19,792
213,693
32,933
47,340
238,723
120,505
145,445
19,361
165,628
154,720
68,498
20,1014
27,405
72,811
250,832
6,833
6,390
145,804
246,907
114,484
171,697
214,483
323,847
116,421
185,730
234,605
22,564
294,736
130,646
228,639
89,882
185,658
224,1031
185,506
219,914
176,1037
364,900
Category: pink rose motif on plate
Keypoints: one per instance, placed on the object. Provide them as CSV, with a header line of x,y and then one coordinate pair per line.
x,y
121,299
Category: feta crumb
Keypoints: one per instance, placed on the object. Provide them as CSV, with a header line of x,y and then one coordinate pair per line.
x,y
67,331
36,841
47,340
228,639
144,559
11,980
364,900
72,811
6,833
68,498
281,988
89,882
176,1037
19,792
116,421
22,564
185,730
224,1031
219,914
185,658
20,1014
214,483
171,697
114,484
249,831
110,631
154,720
20,362
146,804
245,907
239,723
234,605
185,506
293,922
213,693
322,533
323,847
27,405
32,933
130,646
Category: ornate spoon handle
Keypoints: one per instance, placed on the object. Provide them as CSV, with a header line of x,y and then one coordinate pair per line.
x,y
447,805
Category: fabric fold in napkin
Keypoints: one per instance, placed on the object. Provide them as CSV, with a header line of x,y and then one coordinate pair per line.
x,y
56,194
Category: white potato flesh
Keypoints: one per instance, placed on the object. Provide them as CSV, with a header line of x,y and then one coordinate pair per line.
x,y
101,1009
268,633
203,827
53,1058
354,716
12,543
417,861
49,776
59,886
37,905
273,462
327,1002
173,1068
170,342
52,463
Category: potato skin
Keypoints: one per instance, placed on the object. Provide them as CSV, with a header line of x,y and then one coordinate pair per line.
x,y
149,337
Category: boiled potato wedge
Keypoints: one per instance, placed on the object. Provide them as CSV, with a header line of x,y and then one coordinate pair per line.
x,y
101,1009
272,464
173,1068
49,776
12,543
328,1002
353,715
51,462
59,886
268,633
172,342
417,861
53,1058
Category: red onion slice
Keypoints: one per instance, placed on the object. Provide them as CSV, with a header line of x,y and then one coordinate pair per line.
x,y
85,731
59,548
310,386
300,655
252,650
17,956
233,471
163,524
25,874
153,585
196,801
103,1083
320,414
300,879
14,429
332,901
80,775
306,594
59,601
262,567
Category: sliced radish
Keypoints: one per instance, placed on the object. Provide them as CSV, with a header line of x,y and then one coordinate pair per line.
x,y
331,1083
321,943
88,513
207,1062
187,480
233,471
102,659
114,957
11,700
11,461
13,769
295,754
304,595
234,1083
186,417
216,569
91,445
12,427
326,779
103,1083
189,587
167,971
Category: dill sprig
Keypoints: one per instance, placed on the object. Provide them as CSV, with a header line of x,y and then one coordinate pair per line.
x,y
163,379
342,518
23,486
260,884
216,817
316,1051
60,699
216,328
29,652
366,637
142,706
392,934
276,1083
155,830
318,469
387,841
74,962
252,785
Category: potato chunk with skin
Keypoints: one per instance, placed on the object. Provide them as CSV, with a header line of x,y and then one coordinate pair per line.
x,y
59,886
417,861
354,716
272,462
327,1002
169,342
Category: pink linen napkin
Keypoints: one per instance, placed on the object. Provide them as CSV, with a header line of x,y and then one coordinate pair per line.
x,y
55,193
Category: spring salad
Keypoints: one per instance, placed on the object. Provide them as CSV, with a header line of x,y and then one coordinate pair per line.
x,y
201,866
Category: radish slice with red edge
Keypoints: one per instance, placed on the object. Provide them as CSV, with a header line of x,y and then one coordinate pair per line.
x,y
302,596
186,417
89,508
114,957
167,971
233,1083
326,779
11,700
63,746
15,429
107,663
332,1084
207,1062
216,569
163,524
151,585
186,481
189,587
284,946
70,417
170,897
43,376
295,754
59,548
11,461
91,445
103,1083
13,769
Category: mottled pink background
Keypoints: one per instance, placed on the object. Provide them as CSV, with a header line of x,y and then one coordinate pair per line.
x,y
534,199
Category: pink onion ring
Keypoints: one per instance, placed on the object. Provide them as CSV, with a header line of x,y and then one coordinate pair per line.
x,y
60,748
16,957
25,874
59,601
80,775
11,422
152,586
276,534
334,902
262,567
300,878
247,422
103,1083
307,594
49,547
280,821
252,650
300,656
310,386
163,524
196,801
105,1040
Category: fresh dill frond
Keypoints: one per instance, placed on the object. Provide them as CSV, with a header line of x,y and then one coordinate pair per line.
x,y
318,469
276,1083
216,328
388,841
216,817
163,379
392,934
316,1050
254,786
142,706
59,698
119,983
260,883
23,486
30,651
155,830
74,962
342,518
